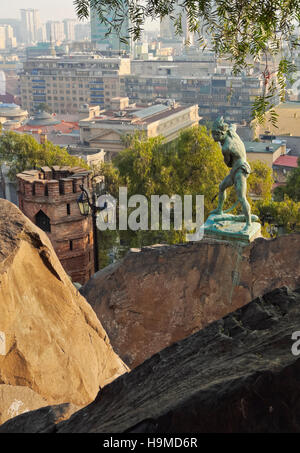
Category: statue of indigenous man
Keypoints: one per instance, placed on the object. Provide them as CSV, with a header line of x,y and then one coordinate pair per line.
x,y
234,153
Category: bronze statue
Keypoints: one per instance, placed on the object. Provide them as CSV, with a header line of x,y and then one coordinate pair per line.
x,y
234,153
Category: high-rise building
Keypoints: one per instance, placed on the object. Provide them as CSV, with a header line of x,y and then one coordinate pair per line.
x,y
55,31
168,29
68,82
42,33
83,32
105,40
2,37
167,26
30,23
16,25
9,37
69,28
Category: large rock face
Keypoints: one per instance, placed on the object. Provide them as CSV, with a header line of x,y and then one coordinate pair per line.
x,y
239,374
160,295
50,339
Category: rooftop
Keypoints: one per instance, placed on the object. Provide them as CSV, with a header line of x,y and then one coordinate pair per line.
x,y
286,161
47,126
258,147
54,173
11,110
136,115
42,119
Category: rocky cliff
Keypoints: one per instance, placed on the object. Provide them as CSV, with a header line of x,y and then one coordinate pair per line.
x,y
239,374
163,294
51,342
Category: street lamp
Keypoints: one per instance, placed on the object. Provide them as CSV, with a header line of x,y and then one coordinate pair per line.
x,y
86,207
83,203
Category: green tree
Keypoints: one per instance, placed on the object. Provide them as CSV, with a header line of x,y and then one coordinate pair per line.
x,y
192,164
22,152
44,108
246,31
284,214
260,181
292,186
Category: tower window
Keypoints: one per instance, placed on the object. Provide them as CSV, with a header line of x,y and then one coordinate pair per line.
x,y
43,221
68,209
71,245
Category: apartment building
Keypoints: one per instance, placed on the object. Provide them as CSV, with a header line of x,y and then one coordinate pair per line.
x,y
55,31
216,94
175,68
7,38
65,83
69,29
30,24
2,37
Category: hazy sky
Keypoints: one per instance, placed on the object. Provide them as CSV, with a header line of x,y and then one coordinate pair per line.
x,y
49,9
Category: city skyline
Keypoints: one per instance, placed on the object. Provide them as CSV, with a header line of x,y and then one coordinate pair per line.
x,y
54,10
51,11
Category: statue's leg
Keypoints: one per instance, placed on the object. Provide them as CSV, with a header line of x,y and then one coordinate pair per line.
x,y
241,191
227,182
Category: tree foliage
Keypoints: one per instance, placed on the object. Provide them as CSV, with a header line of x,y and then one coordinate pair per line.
x,y
292,187
260,181
284,214
22,152
192,164
43,107
246,31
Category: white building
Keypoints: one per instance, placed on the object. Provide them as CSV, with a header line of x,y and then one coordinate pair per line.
x,y
7,39
2,37
83,31
2,83
55,31
42,33
69,29
30,25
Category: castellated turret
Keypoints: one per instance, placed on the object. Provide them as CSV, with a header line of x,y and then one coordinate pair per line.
x,y
48,197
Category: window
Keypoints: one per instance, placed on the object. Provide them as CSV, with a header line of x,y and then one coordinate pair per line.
x,y
68,209
43,221
71,245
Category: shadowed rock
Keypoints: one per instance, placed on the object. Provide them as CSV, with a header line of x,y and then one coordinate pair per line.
x,y
163,294
236,375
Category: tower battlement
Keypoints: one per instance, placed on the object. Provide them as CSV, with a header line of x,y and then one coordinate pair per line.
x,y
53,182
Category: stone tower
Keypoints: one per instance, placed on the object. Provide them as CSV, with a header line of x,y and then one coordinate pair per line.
x,y
48,197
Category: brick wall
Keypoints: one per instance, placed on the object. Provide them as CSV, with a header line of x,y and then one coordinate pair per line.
x,y
55,191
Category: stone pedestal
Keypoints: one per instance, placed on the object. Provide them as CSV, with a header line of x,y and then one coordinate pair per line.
x,y
231,227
